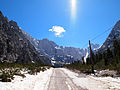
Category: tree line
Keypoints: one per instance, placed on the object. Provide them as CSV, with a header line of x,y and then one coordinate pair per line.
x,y
109,59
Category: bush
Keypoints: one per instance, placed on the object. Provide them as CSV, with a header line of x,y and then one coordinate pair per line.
x,y
22,75
43,69
106,75
8,70
79,66
6,77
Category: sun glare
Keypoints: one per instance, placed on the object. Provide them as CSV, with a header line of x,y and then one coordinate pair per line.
x,y
73,8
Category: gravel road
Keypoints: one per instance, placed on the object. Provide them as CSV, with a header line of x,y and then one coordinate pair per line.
x,y
60,81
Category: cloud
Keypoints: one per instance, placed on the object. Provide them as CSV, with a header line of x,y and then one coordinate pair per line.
x,y
58,30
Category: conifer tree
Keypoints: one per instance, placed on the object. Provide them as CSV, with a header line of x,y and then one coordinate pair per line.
x,y
109,57
116,46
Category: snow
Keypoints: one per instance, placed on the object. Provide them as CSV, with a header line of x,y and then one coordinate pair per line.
x,y
118,30
80,52
41,55
68,86
57,47
114,83
33,62
12,27
20,39
68,55
71,56
94,83
30,82
53,62
86,57
42,79
53,58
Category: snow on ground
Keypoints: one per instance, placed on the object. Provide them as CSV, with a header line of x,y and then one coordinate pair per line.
x,y
30,82
94,83
113,83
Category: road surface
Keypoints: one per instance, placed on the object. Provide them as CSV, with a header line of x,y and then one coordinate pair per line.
x,y
60,81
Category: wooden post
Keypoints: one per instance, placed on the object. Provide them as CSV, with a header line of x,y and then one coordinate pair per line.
x,y
91,58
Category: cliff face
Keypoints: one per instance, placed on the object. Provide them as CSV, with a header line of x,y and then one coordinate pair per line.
x,y
14,47
110,39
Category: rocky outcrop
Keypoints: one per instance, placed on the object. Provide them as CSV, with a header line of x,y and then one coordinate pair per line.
x,y
110,39
14,47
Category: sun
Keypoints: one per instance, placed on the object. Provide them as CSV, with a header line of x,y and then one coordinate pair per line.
x,y
73,8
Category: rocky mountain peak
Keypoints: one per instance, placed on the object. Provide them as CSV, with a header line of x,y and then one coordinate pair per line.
x,y
1,14
13,23
95,46
117,25
115,32
14,46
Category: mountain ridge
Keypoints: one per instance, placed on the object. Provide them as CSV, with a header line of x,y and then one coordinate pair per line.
x,y
115,33
56,52
14,47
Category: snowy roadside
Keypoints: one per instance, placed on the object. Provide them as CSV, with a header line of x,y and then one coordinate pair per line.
x,y
93,83
30,82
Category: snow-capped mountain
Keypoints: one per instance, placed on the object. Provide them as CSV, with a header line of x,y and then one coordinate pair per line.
x,y
59,54
110,39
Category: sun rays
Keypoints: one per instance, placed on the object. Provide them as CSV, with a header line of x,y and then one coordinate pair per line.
x,y
73,9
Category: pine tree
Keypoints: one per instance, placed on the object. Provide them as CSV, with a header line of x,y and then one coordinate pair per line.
x,y
105,59
99,56
88,61
116,46
109,57
0,24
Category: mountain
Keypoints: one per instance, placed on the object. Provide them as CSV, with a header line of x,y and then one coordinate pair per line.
x,y
58,54
115,32
14,46
94,47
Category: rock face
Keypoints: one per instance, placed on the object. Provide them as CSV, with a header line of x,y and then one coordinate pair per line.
x,y
14,47
110,39
58,53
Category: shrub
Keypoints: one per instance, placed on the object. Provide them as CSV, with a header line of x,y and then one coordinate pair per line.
x,y
8,70
22,75
106,75
43,69
6,77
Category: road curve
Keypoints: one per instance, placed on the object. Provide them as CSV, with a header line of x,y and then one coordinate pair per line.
x,y
60,81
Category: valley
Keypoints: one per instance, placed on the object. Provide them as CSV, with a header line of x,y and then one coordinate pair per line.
x,y
42,49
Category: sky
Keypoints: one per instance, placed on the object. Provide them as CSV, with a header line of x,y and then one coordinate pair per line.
x,y
66,22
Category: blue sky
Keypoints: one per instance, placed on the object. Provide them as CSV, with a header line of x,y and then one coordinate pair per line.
x,y
81,21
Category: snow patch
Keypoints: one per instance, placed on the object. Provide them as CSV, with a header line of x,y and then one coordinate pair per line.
x,y
57,47
68,86
30,82
94,83
86,57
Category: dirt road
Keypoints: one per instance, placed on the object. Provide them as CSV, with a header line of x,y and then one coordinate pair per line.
x,y
60,81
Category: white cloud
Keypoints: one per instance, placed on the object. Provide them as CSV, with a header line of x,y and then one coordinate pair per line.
x,y
58,30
